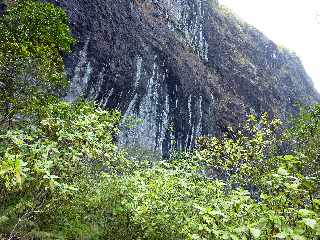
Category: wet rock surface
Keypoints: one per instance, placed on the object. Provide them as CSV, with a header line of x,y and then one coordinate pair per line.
x,y
184,67
2,7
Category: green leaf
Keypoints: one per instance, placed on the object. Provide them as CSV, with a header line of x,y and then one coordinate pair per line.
x,y
3,219
256,233
282,171
298,237
305,212
195,237
310,222
281,235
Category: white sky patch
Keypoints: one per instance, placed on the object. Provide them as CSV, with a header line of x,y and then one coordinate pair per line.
x,y
294,24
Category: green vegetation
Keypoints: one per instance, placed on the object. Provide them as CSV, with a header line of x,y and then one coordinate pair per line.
x,y
33,37
63,177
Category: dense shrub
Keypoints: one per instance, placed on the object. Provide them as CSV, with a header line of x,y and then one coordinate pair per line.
x,y
63,177
33,38
179,199
42,166
174,200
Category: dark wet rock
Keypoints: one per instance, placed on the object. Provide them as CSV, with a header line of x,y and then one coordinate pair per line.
x,y
185,67
3,8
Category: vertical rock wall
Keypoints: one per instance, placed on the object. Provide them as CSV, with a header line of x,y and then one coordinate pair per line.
x,y
178,69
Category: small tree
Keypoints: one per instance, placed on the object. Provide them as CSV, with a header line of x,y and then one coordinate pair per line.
x,y
33,38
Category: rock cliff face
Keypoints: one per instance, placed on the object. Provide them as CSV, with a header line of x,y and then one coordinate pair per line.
x,y
2,7
184,67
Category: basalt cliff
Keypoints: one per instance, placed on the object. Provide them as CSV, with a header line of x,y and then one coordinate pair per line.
x,y
185,68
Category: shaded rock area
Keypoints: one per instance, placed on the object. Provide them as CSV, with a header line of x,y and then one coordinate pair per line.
x,y
2,7
185,68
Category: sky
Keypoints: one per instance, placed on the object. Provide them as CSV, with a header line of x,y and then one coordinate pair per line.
x,y
294,24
